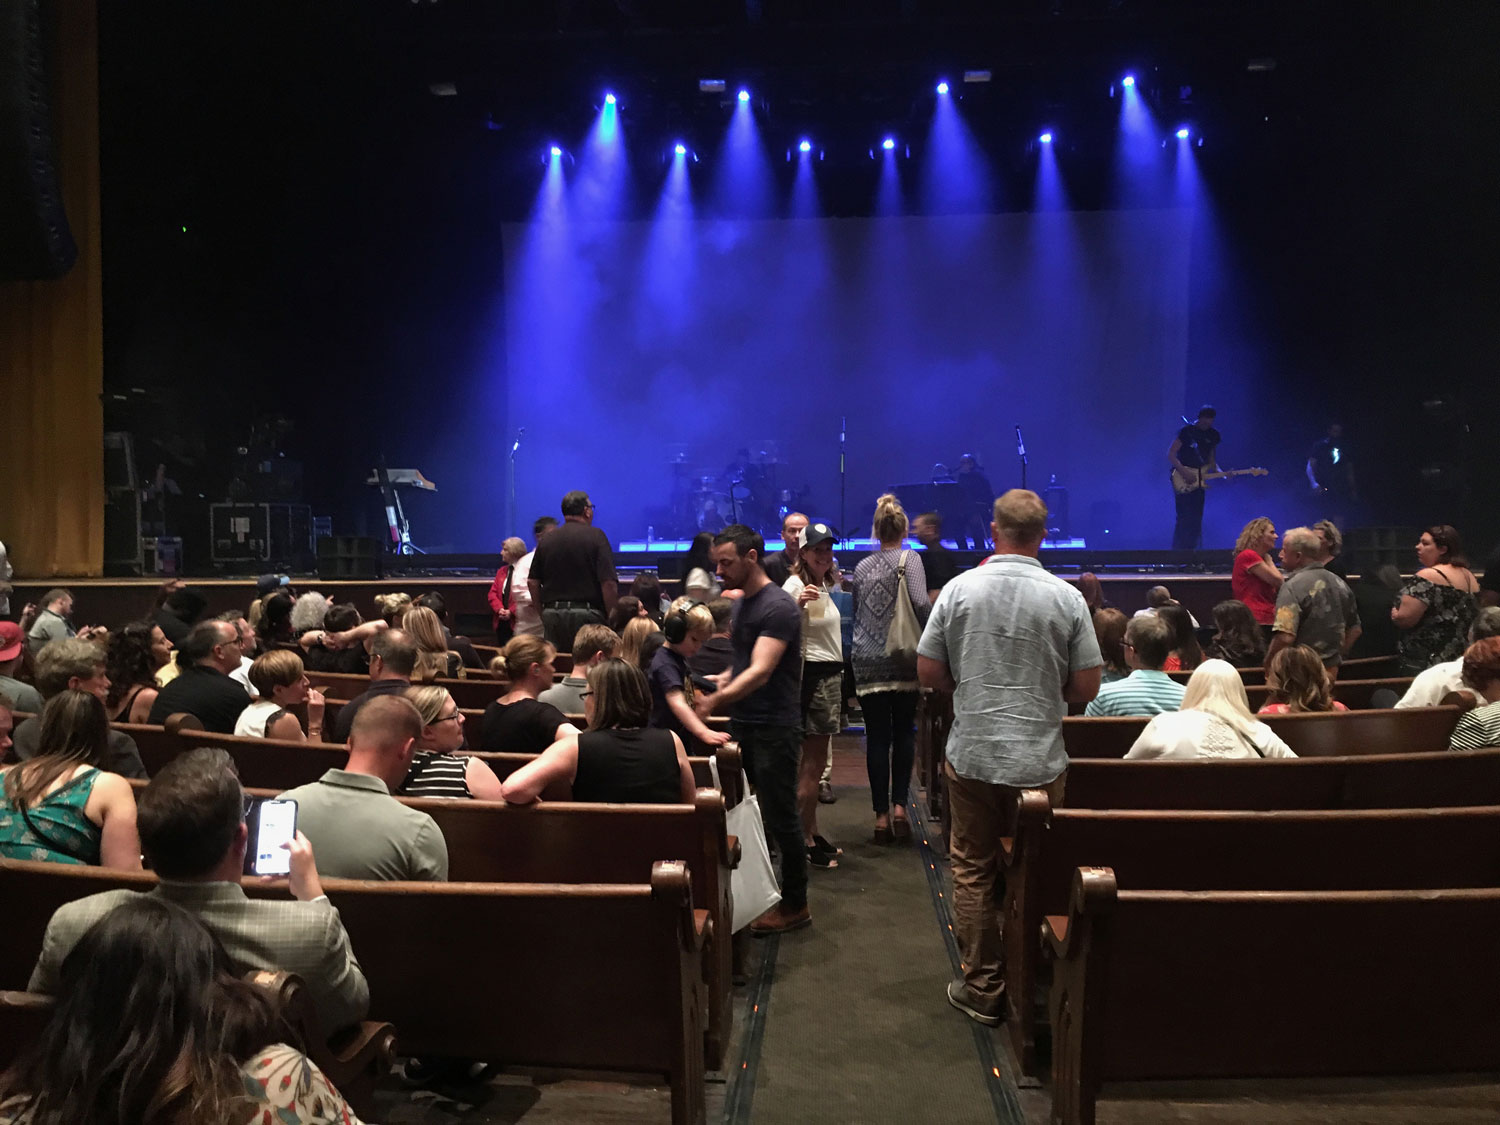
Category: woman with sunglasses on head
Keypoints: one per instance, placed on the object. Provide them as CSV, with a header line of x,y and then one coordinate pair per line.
x,y
437,767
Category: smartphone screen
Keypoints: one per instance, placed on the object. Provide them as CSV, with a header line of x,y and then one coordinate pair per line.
x,y
272,824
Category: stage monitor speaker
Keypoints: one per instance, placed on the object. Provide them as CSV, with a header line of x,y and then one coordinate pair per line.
x,y
35,241
122,533
349,556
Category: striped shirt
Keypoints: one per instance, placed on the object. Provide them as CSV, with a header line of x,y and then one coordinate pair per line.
x,y
436,775
1144,692
1477,729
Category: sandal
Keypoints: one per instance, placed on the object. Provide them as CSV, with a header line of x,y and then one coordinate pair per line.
x,y
901,826
822,844
817,857
883,835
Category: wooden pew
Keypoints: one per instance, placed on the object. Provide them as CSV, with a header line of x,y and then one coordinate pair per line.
x,y
1412,730
934,720
586,977
1380,782
473,694
564,842
1365,668
1342,849
1166,984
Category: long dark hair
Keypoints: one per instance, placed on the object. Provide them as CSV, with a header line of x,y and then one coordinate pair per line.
x,y
627,607
1239,638
128,662
699,554
1184,640
150,1027
75,732
647,587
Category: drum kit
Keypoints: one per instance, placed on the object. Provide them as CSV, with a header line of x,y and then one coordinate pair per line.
x,y
749,490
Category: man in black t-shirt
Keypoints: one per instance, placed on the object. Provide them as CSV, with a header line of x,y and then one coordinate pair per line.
x,y
1194,448
573,574
938,562
763,692
778,567
1330,474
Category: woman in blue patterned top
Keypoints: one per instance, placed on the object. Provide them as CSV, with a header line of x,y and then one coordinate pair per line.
x,y
59,806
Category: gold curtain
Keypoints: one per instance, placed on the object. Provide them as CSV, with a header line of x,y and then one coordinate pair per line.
x,y
52,345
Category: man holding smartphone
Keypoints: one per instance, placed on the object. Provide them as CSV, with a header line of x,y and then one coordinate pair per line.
x,y
191,819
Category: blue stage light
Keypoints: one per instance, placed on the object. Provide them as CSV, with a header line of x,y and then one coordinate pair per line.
x,y
942,87
609,99
1183,133
555,151
888,144
805,146
680,149
1128,81
1045,138
744,95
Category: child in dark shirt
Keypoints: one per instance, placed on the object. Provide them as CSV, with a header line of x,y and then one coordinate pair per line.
x,y
686,627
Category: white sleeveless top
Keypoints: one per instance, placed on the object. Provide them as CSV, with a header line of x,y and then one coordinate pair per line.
x,y
253,719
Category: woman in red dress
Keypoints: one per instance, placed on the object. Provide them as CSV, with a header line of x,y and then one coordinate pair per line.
x,y
1255,579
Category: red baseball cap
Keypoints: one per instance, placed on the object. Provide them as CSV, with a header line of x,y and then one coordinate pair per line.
x,y
11,640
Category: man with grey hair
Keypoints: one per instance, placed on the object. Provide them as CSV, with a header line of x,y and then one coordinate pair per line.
x,y
74,664
1314,606
203,689
1431,686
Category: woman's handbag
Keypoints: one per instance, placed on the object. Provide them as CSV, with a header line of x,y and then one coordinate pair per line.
x,y
904,633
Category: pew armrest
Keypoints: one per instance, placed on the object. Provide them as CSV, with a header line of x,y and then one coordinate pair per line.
x,y
367,1046
1055,934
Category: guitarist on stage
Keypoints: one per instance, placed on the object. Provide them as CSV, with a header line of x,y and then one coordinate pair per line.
x,y
1193,451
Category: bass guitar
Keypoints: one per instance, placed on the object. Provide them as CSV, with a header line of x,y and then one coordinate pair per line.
x,y
1191,480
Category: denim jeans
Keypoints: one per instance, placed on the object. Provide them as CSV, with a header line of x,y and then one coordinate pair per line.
x,y
890,745
772,756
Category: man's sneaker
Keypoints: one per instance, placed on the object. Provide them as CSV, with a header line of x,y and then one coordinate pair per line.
x,y
967,1003
826,795
779,920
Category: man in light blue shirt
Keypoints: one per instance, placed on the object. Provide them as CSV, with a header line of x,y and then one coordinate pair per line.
x,y
1147,690
1015,645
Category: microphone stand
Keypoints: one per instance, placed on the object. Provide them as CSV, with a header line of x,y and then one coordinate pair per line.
x,y
510,483
843,476
1021,453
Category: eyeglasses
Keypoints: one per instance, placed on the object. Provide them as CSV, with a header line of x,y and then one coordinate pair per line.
x,y
584,694
448,718
1126,644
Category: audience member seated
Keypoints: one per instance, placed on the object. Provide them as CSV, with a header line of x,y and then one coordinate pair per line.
x,y
393,607
1297,681
518,722
1431,687
249,650
350,658
53,622
1147,690
619,759
671,682
1438,604
75,664
275,627
437,769
627,608
716,654
1214,722
62,806
1480,727
179,611
591,644
1375,592
433,658
393,655
1238,637
1156,597
1093,592
308,612
1255,579
1185,654
152,1025
12,653
462,645
281,684
1109,631
134,655
203,688
192,827
637,632
265,585
647,587
357,828
1314,606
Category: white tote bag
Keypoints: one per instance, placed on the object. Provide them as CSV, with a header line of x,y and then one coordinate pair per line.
x,y
904,633
752,883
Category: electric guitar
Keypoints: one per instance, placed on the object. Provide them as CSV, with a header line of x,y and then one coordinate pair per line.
x,y
1191,480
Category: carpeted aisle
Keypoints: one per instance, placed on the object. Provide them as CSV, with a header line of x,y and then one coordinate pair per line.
x,y
857,1028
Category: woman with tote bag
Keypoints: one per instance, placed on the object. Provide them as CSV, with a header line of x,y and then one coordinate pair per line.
x,y
890,608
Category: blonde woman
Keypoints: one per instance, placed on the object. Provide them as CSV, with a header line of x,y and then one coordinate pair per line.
x,y
633,639
1255,579
886,683
1214,722
393,607
433,656
283,684
518,722
437,767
